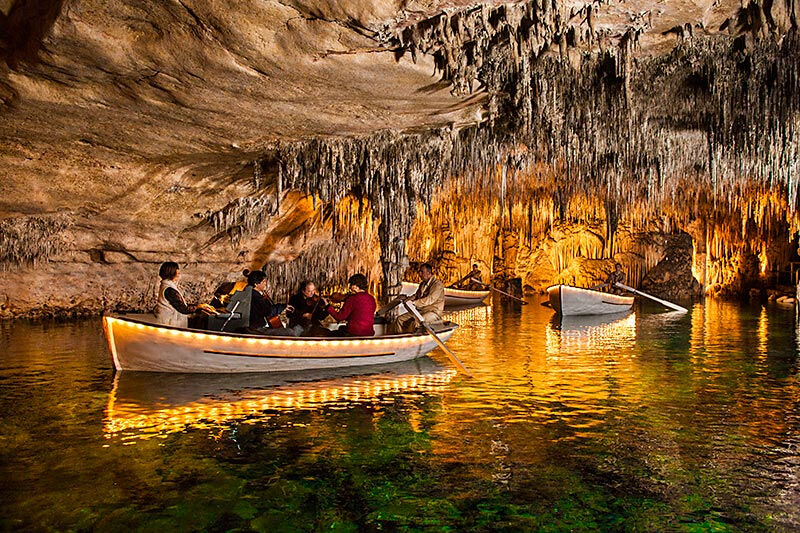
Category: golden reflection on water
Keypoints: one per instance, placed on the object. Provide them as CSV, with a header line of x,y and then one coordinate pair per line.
x,y
144,405
763,331
570,335
696,415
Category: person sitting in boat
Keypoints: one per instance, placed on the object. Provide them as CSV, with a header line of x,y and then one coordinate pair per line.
x,y
358,310
472,281
265,315
617,276
428,299
308,311
171,307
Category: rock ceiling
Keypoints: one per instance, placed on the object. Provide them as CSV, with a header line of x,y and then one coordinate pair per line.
x,y
131,116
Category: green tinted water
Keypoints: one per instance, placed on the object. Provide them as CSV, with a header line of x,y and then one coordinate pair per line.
x,y
649,422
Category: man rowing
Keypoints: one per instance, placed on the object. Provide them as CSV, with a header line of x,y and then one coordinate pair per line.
x,y
428,299
472,281
617,276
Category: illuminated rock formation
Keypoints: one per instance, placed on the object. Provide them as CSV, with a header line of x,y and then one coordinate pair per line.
x,y
309,138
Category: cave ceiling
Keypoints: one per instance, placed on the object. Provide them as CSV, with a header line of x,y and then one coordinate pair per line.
x,y
152,112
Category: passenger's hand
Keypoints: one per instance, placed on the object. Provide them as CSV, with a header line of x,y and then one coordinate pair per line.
x,y
307,316
206,308
290,309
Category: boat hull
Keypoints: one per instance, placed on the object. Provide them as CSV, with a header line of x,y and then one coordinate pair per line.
x,y
137,344
452,297
575,301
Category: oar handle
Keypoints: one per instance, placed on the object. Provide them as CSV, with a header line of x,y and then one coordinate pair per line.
x,y
413,310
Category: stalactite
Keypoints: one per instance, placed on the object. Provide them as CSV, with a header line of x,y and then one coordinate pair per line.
x,y
352,248
243,216
616,118
653,135
27,239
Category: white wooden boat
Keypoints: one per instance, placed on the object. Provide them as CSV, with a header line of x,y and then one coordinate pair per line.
x,y
452,297
570,301
137,342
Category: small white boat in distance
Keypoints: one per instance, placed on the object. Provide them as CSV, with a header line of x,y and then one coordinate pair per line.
x,y
137,342
452,297
572,301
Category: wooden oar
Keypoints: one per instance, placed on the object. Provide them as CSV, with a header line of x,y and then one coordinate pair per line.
x,y
509,295
659,300
411,309
388,307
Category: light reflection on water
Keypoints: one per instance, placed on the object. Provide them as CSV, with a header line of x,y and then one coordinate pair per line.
x,y
143,405
646,421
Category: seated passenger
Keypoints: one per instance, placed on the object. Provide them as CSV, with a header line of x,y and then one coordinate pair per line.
x,y
171,308
429,301
264,313
308,311
358,310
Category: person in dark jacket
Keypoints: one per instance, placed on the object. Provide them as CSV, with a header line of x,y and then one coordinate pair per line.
x,y
262,308
617,276
472,281
308,311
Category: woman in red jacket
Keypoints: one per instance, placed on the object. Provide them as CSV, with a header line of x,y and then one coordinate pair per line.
x,y
358,310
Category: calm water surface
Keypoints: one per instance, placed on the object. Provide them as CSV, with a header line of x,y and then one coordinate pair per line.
x,y
648,422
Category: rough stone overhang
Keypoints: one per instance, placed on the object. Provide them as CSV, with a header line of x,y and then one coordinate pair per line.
x,y
143,115
103,100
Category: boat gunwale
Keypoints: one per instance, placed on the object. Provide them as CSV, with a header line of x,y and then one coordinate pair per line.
x,y
451,327
458,292
450,292
474,295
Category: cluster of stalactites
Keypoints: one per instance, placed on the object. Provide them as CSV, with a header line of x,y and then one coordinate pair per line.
x,y
394,171
352,249
244,216
714,114
463,42
621,126
27,239
470,223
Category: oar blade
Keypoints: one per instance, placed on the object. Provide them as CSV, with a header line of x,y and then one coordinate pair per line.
x,y
413,310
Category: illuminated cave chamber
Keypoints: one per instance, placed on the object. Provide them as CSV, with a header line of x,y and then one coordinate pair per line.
x,y
682,166
542,139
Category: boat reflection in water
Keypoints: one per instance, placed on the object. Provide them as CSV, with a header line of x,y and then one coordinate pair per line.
x,y
148,404
603,333
571,334
479,313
